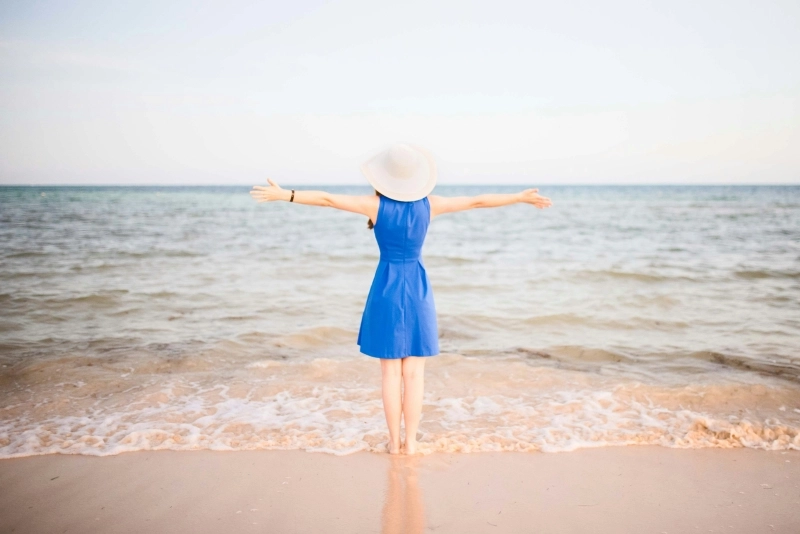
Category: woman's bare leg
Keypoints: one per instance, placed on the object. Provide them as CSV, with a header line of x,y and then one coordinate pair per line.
x,y
391,370
413,385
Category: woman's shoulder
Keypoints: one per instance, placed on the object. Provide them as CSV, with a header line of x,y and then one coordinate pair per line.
x,y
433,200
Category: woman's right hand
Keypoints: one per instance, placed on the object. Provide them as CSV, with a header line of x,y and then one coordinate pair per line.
x,y
265,194
531,196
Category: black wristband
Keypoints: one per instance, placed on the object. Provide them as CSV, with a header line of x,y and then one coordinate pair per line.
x,y
292,199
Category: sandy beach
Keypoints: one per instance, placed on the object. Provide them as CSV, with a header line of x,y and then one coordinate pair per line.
x,y
610,489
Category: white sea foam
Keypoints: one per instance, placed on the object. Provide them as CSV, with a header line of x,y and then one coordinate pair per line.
x,y
334,406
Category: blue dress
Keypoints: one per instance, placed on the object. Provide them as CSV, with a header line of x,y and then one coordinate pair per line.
x,y
399,317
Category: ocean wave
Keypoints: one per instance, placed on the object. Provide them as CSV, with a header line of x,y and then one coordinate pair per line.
x,y
159,253
24,254
769,367
764,273
102,300
334,405
573,354
439,260
678,363
467,326
628,275
343,422
631,323
322,336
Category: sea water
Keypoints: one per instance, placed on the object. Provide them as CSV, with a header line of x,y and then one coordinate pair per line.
x,y
142,318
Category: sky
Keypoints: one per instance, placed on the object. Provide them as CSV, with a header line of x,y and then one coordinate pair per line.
x,y
526,92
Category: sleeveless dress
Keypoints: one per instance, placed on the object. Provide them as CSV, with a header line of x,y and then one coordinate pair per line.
x,y
399,317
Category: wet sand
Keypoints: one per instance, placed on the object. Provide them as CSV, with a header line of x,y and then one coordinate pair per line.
x,y
610,489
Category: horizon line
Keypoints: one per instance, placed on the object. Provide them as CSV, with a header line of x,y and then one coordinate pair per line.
x,y
367,186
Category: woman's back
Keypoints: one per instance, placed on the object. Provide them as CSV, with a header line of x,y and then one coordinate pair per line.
x,y
401,228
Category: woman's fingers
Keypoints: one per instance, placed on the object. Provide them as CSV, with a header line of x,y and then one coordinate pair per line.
x,y
541,202
264,195
536,199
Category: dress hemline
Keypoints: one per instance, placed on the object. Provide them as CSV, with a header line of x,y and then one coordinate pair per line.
x,y
398,357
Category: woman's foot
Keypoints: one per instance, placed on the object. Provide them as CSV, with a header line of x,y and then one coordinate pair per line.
x,y
411,447
394,448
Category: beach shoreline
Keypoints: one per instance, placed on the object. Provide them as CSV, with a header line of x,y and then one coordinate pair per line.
x,y
605,489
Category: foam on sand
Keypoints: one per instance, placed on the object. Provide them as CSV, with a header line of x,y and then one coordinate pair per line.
x,y
334,405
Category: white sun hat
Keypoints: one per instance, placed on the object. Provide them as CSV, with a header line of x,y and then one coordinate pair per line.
x,y
402,172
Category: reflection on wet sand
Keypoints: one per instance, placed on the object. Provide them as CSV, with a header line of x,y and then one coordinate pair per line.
x,y
403,511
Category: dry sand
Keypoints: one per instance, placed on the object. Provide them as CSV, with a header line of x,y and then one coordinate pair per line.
x,y
637,489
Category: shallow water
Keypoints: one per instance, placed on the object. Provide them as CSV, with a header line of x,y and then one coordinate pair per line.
x,y
193,317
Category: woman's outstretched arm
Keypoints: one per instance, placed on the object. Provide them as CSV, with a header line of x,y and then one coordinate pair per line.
x,y
440,204
363,204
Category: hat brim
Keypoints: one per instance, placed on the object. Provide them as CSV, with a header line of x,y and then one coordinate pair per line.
x,y
408,189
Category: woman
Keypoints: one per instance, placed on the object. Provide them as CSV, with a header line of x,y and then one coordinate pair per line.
x,y
399,321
